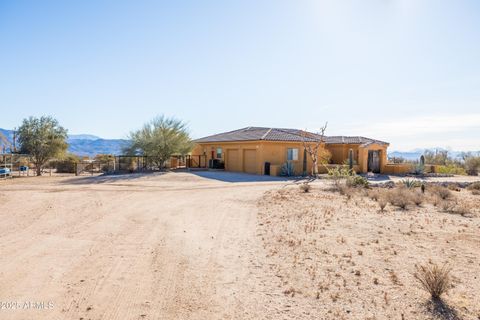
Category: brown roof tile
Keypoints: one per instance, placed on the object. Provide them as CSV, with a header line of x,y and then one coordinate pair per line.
x,y
280,134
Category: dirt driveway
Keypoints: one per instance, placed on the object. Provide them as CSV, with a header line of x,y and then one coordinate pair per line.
x,y
166,246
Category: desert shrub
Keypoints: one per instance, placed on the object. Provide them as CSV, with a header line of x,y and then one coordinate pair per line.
x,y
462,209
453,187
436,200
67,164
338,175
474,186
434,279
400,197
374,195
472,165
305,187
476,192
410,184
382,203
451,169
442,192
417,198
355,180
447,205
346,190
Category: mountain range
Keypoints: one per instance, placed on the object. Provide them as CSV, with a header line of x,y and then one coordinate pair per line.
x,y
91,145
85,144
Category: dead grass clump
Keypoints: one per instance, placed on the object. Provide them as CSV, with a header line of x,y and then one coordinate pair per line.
x,y
442,192
382,203
447,206
462,209
417,198
475,188
347,191
434,279
374,195
400,197
453,187
305,187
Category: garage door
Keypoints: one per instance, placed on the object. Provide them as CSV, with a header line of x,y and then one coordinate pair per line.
x,y
233,160
250,160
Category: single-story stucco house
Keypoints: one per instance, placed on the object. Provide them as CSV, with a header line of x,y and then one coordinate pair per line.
x,y
262,150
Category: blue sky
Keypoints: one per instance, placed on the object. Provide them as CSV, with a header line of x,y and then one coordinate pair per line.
x,y
405,71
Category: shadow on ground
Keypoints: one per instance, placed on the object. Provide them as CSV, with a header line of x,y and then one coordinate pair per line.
x,y
109,178
441,310
234,177
377,177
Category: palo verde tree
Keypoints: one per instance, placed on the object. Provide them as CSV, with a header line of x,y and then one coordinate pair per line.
x,y
312,143
42,138
159,139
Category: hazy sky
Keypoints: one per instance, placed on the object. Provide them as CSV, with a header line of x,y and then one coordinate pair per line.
x,y
405,71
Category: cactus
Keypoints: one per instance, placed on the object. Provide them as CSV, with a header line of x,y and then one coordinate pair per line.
x,y
350,159
422,160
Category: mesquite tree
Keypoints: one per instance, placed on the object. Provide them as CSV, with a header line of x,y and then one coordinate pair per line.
x,y
312,144
159,139
42,138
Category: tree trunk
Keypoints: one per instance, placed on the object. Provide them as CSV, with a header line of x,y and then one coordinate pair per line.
x,y
39,170
315,167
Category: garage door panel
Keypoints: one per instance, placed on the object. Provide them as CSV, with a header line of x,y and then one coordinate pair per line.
x,y
233,160
250,160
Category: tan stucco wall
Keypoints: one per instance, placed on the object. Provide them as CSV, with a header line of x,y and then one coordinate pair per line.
x,y
266,151
340,152
276,154
360,154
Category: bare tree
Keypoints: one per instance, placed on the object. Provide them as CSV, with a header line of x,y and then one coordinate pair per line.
x,y
312,143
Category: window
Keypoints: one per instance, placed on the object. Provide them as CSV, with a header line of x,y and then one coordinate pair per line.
x,y
292,154
219,153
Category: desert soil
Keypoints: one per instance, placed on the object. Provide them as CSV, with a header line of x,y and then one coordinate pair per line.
x,y
220,246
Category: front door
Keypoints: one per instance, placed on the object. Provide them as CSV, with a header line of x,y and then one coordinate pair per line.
x,y
374,161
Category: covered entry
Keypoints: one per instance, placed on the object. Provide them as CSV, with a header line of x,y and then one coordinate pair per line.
x,y
374,161
250,160
232,161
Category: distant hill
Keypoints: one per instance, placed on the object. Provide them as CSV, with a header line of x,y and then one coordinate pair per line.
x,y
417,153
90,147
86,144
83,137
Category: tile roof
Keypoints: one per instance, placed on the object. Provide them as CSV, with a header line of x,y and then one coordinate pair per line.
x,y
352,140
281,134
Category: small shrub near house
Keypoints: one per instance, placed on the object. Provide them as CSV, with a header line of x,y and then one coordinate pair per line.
x,y
382,203
442,192
410,183
417,198
343,176
355,180
305,187
474,188
400,197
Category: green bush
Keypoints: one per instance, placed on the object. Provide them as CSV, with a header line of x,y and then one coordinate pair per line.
x,y
410,184
472,165
451,169
357,181
67,164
